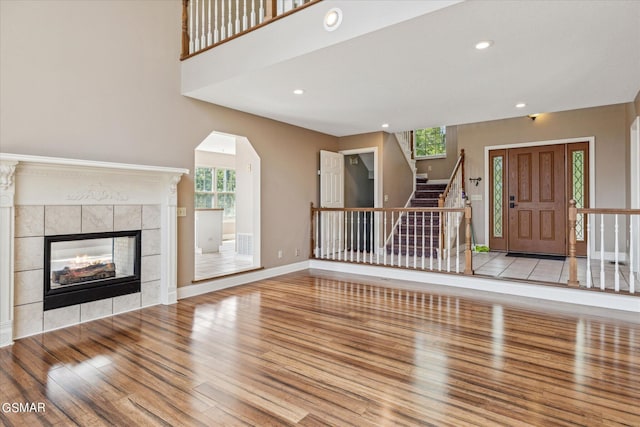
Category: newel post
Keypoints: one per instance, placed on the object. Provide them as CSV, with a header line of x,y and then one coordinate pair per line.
x,y
573,262
312,243
185,28
468,256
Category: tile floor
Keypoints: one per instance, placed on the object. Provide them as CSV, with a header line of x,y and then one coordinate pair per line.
x,y
497,264
221,263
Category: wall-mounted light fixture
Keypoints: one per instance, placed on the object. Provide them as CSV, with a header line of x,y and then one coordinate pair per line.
x,y
533,116
476,181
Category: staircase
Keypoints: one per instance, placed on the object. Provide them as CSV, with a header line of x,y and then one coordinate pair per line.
x,y
413,226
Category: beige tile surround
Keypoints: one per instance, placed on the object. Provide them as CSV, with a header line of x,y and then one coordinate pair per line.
x,y
32,223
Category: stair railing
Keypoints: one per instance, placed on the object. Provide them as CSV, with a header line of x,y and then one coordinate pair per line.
x,y
359,235
207,23
453,196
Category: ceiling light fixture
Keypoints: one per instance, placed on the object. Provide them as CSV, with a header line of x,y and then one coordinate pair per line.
x,y
298,91
333,19
385,125
521,105
484,44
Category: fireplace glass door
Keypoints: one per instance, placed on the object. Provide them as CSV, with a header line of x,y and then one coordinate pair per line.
x,y
87,267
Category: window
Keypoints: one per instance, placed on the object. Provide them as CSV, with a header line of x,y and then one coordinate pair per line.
x,y
216,188
430,142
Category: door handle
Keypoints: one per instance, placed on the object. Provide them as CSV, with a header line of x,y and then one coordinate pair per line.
x,y
512,205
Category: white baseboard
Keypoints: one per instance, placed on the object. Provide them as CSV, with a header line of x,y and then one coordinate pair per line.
x,y
486,284
505,287
239,279
6,333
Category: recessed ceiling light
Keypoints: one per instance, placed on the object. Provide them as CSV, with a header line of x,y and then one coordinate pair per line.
x,y
385,125
484,44
333,19
298,91
521,105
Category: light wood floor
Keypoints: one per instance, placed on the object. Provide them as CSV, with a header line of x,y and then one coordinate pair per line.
x,y
311,350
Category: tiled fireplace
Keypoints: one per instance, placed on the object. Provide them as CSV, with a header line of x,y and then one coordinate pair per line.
x,y
109,230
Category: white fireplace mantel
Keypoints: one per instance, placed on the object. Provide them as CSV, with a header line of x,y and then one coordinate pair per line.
x,y
27,180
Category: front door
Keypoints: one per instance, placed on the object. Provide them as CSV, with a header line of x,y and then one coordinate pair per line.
x,y
536,200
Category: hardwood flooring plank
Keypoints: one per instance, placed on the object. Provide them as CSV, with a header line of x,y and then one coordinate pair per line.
x,y
304,349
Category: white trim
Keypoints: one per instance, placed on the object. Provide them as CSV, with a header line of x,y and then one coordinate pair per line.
x,y
634,184
238,279
583,297
432,157
592,171
496,286
24,158
438,181
377,178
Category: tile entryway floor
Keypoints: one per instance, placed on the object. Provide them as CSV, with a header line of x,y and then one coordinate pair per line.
x,y
497,264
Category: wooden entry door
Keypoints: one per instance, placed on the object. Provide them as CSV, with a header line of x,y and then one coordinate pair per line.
x,y
536,200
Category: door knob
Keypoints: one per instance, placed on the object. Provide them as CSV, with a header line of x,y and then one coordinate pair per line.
x,y
512,205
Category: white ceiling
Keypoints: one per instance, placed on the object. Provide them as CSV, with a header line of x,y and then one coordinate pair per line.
x,y
413,64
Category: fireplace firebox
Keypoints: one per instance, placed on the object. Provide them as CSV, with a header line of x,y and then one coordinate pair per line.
x,y
80,268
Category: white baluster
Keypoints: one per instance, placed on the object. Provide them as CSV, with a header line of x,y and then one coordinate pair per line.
x,y
191,46
441,219
371,227
632,243
238,16
457,246
223,28
358,244
216,35
393,249
253,13
203,37
406,214
209,33
617,270
230,22
431,242
339,222
423,226
261,12
333,235
448,240
588,218
346,237
384,237
197,29
244,17
351,236
317,216
602,252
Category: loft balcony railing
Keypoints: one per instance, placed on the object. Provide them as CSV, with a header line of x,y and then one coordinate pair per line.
x,y
208,23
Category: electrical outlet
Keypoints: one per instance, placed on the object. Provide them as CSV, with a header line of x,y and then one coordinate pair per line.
x,y
297,252
182,211
279,253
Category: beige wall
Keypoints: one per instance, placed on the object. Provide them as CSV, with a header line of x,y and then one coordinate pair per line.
x,y
398,177
606,124
100,80
442,168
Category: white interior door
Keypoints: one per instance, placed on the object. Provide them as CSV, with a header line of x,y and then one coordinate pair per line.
x,y
635,190
331,196
331,179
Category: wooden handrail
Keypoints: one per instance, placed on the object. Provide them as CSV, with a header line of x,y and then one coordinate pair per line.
x,y
444,210
459,164
270,15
